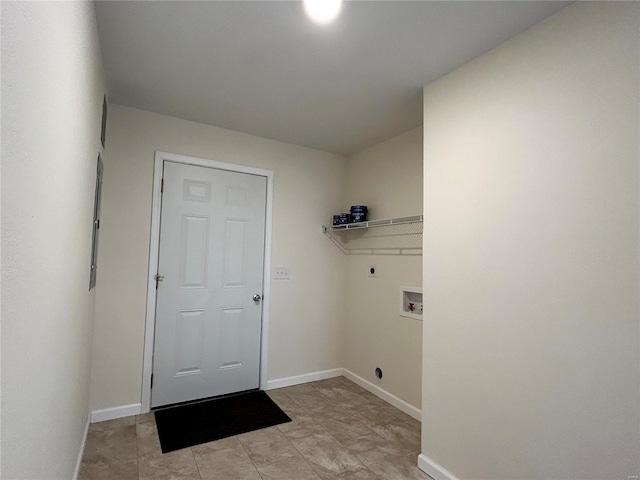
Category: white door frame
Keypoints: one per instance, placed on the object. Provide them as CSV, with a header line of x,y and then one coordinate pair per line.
x,y
150,321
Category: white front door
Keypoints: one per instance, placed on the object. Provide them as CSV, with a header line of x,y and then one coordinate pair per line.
x,y
208,325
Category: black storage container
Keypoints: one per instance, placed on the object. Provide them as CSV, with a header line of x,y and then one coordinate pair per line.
x,y
359,213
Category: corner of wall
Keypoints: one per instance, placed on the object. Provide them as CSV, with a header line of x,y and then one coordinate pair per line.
x,y
47,216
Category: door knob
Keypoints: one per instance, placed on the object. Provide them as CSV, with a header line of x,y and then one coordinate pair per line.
x,y
256,298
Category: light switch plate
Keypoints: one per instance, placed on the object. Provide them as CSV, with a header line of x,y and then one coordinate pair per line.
x,y
281,273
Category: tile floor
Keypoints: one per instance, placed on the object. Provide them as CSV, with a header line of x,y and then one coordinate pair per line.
x,y
339,431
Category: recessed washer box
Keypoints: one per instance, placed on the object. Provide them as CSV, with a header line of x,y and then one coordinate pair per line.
x,y
411,302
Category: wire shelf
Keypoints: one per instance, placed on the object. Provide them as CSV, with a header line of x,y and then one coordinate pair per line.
x,y
403,236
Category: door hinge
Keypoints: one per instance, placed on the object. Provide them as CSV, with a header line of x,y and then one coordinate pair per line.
x,y
162,186
158,278
152,380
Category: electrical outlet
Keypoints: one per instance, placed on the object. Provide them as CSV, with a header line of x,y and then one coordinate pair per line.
x,y
281,273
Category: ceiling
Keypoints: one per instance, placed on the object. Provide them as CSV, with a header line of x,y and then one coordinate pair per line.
x,y
263,68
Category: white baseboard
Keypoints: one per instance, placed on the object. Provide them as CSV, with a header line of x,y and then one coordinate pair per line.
x,y
433,469
336,372
76,472
306,378
384,395
115,412
135,408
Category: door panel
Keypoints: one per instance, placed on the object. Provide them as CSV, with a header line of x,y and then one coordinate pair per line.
x,y
195,252
207,334
188,345
235,253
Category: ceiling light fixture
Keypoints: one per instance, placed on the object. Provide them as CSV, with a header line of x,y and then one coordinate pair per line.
x,y
322,11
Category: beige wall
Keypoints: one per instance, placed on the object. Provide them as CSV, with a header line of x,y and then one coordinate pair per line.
x,y
307,323
388,179
306,311
531,265
52,89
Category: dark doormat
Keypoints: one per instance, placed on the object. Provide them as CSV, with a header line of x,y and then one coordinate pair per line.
x,y
201,422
